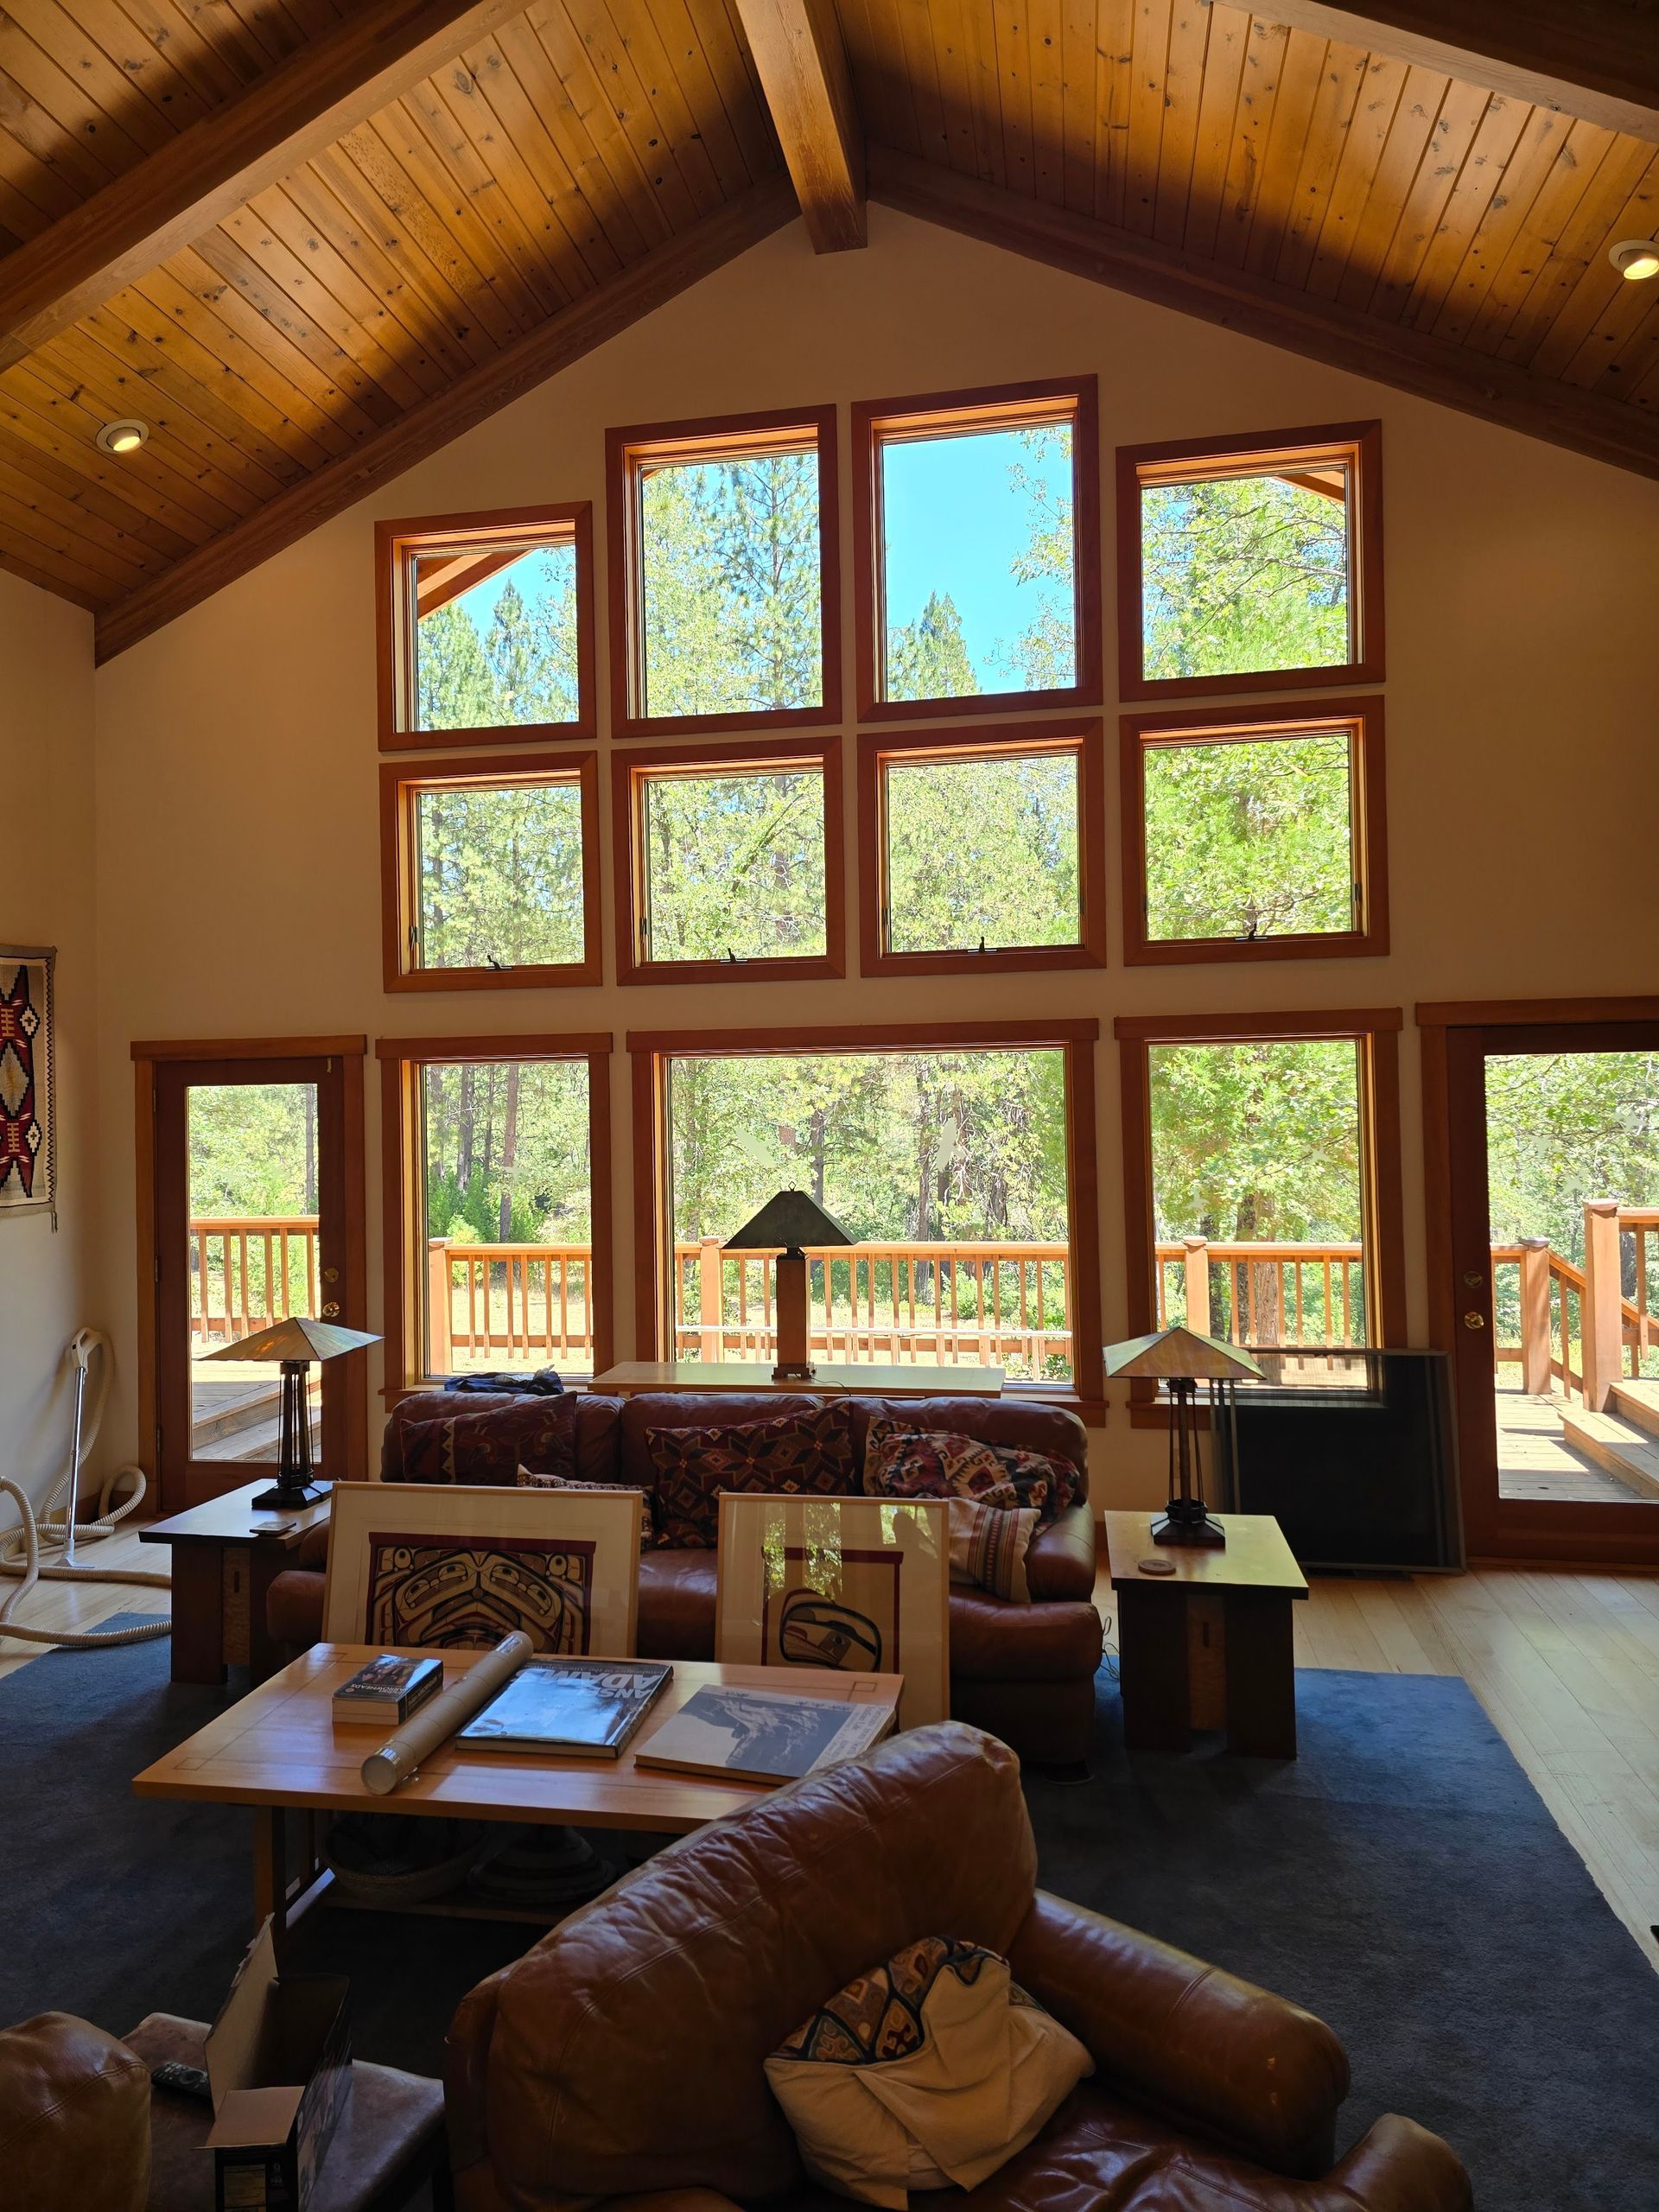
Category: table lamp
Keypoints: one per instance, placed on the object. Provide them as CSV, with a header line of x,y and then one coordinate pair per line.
x,y
793,1220
293,1345
1181,1359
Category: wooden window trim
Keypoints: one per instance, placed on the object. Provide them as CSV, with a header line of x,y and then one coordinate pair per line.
x,y
957,413
877,748
396,542
1186,461
1375,1031
400,781
402,1060
1362,718
1486,1014
650,1049
631,770
706,438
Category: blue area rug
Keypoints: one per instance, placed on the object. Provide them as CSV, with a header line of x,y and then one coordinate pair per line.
x,y
1402,1879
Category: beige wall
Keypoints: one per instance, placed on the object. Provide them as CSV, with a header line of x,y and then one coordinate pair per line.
x,y
239,888
48,1281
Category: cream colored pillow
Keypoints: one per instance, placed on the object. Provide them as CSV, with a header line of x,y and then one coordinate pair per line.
x,y
930,2070
528,1479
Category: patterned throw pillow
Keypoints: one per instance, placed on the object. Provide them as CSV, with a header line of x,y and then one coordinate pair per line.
x,y
930,2071
647,1518
901,1462
1051,1486
539,1433
805,1453
988,1546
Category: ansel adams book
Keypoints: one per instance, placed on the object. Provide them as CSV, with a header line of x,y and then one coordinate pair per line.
x,y
587,1707
763,1735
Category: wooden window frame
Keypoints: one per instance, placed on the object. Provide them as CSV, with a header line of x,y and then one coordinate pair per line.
x,y
397,545
1368,783
876,748
1375,1032
402,1060
1184,460
631,771
959,414
711,438
650,1050
400,781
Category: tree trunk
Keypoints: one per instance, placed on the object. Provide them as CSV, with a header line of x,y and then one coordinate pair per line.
x,y
509,1150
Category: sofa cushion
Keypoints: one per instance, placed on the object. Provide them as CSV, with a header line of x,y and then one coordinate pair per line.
x,y
596,1421
1027,1424
491,1445
993,1641
676,1604
808,1453
661,1409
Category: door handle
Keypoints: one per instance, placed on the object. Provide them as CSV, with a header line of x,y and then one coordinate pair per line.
x,y
331,1311
1471,1320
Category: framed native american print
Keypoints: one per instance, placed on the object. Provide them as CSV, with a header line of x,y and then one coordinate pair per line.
x,y
861,1585
28,1079
449,1565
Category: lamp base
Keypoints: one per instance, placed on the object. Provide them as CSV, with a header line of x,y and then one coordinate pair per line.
x,y
1186,1521
278,1499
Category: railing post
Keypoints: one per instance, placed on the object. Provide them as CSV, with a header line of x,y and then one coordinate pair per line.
x,y
440,1351
1602,1318
1195,1262
711,1308
1534,1317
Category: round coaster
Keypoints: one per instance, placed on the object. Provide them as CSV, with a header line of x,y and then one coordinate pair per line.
x,y
1156,1565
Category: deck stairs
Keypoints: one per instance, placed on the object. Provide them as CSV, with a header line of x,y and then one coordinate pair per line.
x,y
1623,1441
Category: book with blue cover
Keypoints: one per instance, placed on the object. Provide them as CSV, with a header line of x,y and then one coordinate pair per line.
x,y
584,1708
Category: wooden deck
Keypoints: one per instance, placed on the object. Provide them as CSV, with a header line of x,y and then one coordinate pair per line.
x,y
1534,1461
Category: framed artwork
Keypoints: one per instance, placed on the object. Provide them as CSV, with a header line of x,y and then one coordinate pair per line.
x,y
28,1077
861,1585
455,1566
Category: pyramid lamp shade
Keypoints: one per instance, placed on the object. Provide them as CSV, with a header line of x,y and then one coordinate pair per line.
x,y
292,1345
789,1224
1180,1359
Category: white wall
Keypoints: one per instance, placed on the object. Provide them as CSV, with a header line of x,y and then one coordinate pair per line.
x,y
238,838
47,897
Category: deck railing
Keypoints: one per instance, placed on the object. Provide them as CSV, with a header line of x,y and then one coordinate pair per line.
x,y
1265,1294
1576,1333
248,1270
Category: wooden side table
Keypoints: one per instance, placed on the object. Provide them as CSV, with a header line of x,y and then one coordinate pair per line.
x,y
225,1558
1209,1646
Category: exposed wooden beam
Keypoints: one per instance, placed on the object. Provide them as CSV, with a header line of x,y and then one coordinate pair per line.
x,y
804,73
669,269
1598,59
1412,360
183,188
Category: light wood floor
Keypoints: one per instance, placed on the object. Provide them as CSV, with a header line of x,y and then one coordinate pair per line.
x,y
1566,1665
85,1605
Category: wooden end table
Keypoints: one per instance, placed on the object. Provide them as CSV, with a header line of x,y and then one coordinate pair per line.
x,y
226,1557
1209,1646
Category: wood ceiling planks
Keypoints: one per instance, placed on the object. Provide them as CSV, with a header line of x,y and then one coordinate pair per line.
x,y
443,235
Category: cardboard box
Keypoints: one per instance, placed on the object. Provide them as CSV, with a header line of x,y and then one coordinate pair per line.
x,y
279,2063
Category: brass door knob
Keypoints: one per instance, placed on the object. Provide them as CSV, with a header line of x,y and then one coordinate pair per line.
x,y
1471,1320
331,1311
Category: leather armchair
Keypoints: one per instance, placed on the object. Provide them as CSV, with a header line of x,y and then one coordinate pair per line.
x,y
621,2058
74,2118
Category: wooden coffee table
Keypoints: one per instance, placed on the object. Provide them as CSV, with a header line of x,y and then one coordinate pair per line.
x,y
226,1557
279,1749
1209,1646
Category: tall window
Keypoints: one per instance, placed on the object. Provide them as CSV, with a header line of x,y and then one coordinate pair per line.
x,y
1251,564
732,862
486,627
491,872
1258,834
982,850
978,550
724,572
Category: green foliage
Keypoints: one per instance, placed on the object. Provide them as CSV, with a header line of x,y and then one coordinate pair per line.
x,y
1240,573
507,1151
928,659
1258,1140
983,853
252,1148
521,668
500,875
735,866
1565,1126
1248,840
1043,658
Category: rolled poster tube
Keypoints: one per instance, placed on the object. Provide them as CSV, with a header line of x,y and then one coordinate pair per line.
x,y
422,1733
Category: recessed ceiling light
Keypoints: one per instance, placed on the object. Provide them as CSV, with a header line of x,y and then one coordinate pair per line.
x,y
125,437
1635,259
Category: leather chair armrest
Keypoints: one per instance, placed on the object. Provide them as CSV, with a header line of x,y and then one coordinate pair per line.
x,y
1253,2073
312,1550
465,2068
1060,1561
1398,2167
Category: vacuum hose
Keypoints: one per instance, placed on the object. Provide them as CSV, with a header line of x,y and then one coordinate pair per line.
x,y
57,1524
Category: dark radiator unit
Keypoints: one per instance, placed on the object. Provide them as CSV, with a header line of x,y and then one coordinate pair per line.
x,y
1354,1454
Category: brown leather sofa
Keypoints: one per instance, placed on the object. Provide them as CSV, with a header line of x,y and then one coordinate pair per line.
x,y
1025,1672
622,2056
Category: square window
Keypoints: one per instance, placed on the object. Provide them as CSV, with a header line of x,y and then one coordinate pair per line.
x,y
978,530
732,864
1251,564
1259,836
491,872
724,573
486,627
981,853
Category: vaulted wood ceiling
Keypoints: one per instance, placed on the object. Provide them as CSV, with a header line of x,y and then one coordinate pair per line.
x,y
307,241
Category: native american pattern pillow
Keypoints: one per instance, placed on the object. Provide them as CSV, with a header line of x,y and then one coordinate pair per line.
x,y
988,1545
1048,1484
901,1462
528,1480
803,1454
535,1433
879,2015
462,1592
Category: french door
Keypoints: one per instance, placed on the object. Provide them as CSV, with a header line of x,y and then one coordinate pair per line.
x,y
1544,1156
257,1217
